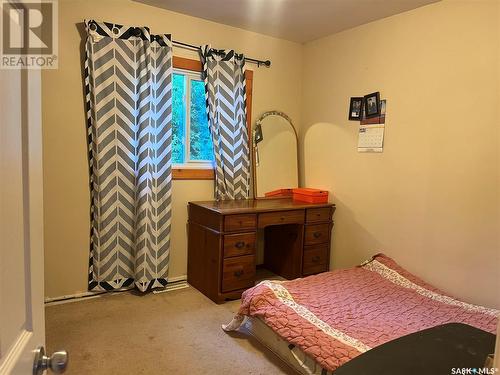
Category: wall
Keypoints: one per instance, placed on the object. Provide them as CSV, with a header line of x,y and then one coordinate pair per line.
x,y
66,193
431,199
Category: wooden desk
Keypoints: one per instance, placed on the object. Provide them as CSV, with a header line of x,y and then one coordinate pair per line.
x,y
222,240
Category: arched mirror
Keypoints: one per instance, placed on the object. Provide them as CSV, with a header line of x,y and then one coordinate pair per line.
x,y
275,153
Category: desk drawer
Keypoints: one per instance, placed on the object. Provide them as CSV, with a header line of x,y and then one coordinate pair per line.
x,y
316,234
239,244
238,273
315,259
284,217
318,214
234,223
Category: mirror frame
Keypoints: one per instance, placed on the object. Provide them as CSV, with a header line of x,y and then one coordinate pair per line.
x,y
252,133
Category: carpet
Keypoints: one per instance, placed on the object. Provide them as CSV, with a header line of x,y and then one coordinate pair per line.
x,y
176,332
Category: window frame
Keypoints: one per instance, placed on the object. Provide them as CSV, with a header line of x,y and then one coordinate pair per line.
x,y
196,173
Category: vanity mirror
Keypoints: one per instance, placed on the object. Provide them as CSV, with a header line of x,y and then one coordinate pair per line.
x,y
275,153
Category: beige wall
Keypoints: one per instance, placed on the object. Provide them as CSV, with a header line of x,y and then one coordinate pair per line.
x,y
431,199
66,193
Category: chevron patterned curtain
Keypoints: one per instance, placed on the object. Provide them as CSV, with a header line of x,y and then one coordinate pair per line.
x,y
128,81
225,96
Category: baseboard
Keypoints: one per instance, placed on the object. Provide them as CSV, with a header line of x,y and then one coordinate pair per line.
x,y
72,297
173,283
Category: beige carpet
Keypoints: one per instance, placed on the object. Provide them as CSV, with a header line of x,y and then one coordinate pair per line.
x,y
176,332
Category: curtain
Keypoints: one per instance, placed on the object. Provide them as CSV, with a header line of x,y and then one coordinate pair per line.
x,y
128,82
225,96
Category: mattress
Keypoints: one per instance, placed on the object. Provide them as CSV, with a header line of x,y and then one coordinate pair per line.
x,y
287,352
335,316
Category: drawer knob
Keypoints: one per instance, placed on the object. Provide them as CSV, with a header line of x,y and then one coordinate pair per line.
x,y
316,258
239,244
238,273
317,234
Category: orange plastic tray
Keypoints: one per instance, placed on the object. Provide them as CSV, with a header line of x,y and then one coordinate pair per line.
x,y
279,193
310,195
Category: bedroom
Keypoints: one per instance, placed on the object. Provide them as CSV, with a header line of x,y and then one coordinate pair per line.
x,y
430,200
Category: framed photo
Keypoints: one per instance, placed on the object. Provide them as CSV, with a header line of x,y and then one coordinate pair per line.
x,y
355,108
372,104
382,106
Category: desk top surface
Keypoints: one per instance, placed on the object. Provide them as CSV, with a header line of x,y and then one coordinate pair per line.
x,y
257,205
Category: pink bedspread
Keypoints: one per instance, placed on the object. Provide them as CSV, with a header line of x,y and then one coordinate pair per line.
x,y
335,316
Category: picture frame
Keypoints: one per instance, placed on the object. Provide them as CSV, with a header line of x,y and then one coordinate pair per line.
x,y
355,108
383,104
371,104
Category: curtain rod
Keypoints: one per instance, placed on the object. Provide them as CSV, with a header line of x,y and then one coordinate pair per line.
x,y
266,63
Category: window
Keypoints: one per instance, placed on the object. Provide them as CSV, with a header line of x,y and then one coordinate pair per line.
x,y
191,139
192,149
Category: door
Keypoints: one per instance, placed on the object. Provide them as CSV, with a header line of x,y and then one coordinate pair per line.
x,y
21,221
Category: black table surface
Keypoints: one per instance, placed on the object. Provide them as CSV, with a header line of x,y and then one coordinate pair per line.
x,y
436,350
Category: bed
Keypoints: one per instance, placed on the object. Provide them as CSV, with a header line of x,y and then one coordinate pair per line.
x,y
318,323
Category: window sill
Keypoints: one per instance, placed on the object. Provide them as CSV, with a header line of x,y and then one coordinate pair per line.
x,y
193,174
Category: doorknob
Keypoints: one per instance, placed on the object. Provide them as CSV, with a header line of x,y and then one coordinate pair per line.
x,y
57,362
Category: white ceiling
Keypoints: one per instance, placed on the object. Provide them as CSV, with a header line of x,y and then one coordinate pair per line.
x,y
296,20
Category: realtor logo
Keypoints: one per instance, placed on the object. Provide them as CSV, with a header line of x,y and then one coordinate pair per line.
x,y
29,34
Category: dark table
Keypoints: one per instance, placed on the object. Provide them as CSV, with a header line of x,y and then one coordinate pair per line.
x,y
433,351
